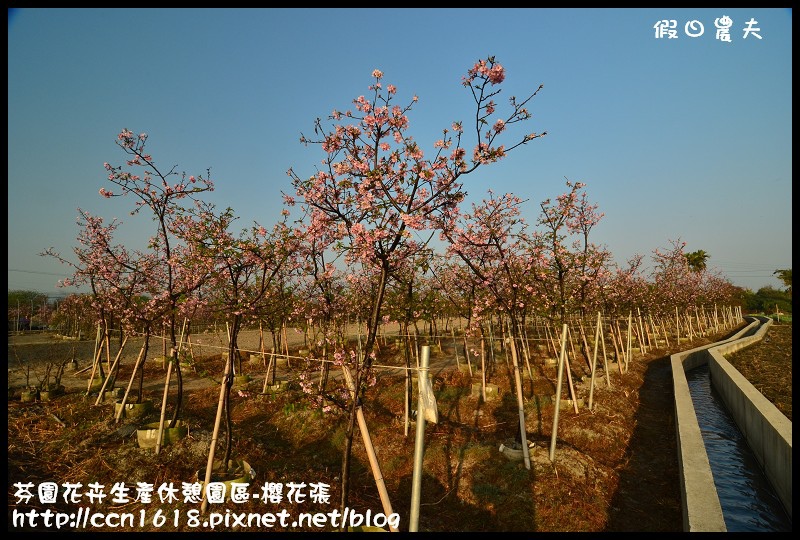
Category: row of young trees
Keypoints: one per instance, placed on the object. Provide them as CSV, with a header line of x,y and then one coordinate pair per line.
x,y
360,243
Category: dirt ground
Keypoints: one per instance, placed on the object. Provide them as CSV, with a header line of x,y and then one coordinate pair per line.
x,y
614,467
768,366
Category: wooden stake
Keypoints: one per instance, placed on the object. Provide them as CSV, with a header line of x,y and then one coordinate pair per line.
x,y
96,342
589,361
455,347
483,370
373,459
561,359
524,350
270,368
594,358
95,365
642,346
215,434
605,359
466,354
139,361
569,377
174,357
110,371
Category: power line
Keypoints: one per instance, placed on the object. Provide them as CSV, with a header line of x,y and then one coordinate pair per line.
x,y
35,272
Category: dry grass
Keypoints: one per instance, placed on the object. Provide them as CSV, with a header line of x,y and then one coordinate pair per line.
x,y
614,467
768,366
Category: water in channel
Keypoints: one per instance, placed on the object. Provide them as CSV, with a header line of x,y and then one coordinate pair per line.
x,y
749,502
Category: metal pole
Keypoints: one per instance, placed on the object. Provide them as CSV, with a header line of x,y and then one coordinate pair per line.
x,y
419,443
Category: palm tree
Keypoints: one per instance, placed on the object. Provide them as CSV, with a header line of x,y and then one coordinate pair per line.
x,y
697,260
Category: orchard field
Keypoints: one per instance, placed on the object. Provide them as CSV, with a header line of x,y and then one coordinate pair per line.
x,y
287,353
614,469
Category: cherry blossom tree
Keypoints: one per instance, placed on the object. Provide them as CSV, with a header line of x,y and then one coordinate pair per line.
x,y
116,278
491,241
168,272
574,264
376,188
241,268
624,288
675,283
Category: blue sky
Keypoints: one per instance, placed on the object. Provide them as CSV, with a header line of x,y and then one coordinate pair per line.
x,y
687,138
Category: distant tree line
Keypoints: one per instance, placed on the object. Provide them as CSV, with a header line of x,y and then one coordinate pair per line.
x,y
768,299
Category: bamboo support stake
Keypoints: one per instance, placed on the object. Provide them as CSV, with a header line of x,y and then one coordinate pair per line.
x,y
136,366
688,322
641,334
483,371
571,346
663,322
261,339
649,331
589,361
174,355
215,435
569,377
191,349
697,323
233,358
164,347
491,342
286,345
629,355
616,347
622,348
561,360
622,351
111,370
107,340
504,339
527,342
373,459
700,315
594,359
455,347
97,363
551,341
605,358
639,338
524,349
416,347
270,368
466,355
97,342
521,407
657,330
261,344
